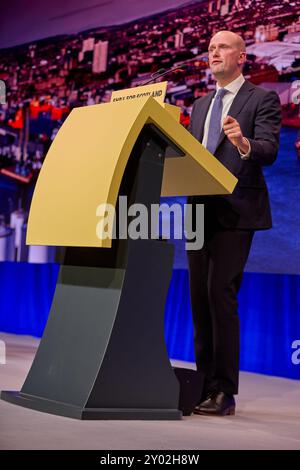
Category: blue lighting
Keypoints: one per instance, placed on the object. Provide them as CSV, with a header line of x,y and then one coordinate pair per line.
x,y
269,306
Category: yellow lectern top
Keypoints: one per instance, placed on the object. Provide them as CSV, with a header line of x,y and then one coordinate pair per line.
x,y
86,162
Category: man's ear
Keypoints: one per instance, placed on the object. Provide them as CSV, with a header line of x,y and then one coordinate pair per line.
x,y
242,58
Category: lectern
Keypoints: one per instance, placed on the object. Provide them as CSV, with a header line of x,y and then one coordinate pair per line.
x,y
103,354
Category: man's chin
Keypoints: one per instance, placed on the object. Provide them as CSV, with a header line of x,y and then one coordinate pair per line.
x,y
218,73
217,69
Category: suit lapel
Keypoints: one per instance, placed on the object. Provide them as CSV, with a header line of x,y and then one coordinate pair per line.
x,y
203,113
238,103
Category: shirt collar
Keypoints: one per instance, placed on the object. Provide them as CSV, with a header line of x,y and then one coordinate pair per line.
x,y
235,85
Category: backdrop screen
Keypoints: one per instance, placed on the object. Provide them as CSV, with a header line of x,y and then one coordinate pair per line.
x,y
71,54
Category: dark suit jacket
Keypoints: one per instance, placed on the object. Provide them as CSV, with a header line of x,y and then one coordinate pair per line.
x,y
259,114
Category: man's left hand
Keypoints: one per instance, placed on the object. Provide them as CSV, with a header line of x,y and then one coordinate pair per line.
x,y
233,131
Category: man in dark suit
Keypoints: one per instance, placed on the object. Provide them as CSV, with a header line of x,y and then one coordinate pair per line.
x,y
239,123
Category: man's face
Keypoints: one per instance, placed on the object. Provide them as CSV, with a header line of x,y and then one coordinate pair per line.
x,y
224,55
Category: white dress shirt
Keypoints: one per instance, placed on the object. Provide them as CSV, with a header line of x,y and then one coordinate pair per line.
x,y
233,88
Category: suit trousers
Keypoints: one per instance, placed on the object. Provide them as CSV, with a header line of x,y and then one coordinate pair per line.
x,y
215,274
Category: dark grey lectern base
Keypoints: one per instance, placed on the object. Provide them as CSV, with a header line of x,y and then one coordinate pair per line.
x,y
103,352
108,362
60,409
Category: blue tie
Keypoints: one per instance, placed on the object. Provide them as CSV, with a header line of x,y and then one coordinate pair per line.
x,y
214,130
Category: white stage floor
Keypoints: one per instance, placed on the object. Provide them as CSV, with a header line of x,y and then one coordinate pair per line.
x,y
267,417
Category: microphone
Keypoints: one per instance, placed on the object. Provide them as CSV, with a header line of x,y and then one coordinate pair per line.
x,y
162,72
